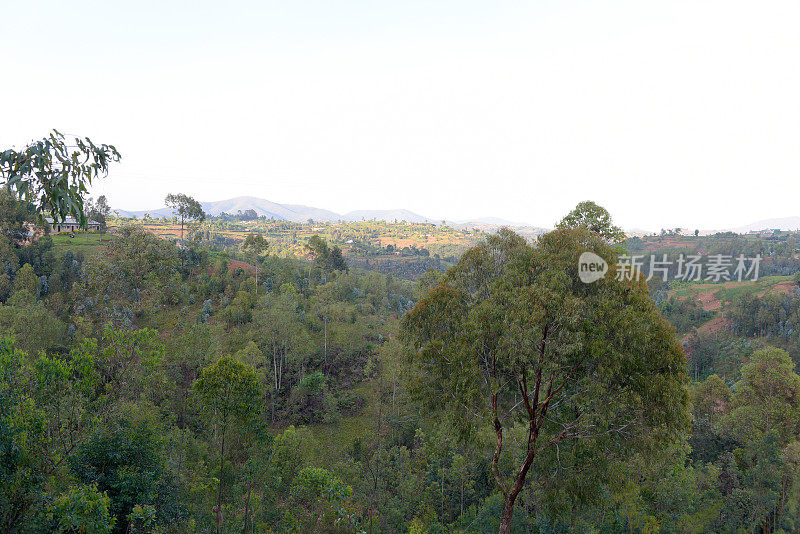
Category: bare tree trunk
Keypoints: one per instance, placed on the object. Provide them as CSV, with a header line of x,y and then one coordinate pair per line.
x,y
282,360
394,394
442,495
274,375
536,417
462,496
508,513
247,506
219,485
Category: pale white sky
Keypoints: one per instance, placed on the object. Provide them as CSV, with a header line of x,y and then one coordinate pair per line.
x,y
673,113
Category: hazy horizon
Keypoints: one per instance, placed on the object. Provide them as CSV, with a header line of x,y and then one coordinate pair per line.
x,y
785,223
667,115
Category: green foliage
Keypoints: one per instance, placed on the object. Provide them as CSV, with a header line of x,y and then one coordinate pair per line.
x,y
81,510
142,520
16,218
711,402
126,460
136,272
594,218
511,337
187,208
228,391
53,175
116,378
128,359
767,398
684,314
319,501
749,436
326,258
314,382
26,280
43,401
98,211
229,394
291,450
32,324
718,353
486,518
255,244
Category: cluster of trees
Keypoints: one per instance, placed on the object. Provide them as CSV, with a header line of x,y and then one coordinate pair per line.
x,y
779,251
16,218
98,211
685,314
364,243
137,429
408,251
746,446
408,268
773,316
329,259
177,389
246,215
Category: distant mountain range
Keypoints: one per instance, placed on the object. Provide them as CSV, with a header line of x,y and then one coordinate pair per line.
x,y
299,213
784,223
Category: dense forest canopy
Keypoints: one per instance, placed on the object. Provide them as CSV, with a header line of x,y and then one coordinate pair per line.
x,y
149,386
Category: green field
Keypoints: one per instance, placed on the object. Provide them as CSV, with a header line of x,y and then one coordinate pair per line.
x,y
727,290
88,243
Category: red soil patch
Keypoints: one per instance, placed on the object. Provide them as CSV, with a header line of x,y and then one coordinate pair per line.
x,y
717,324
709,301
233,265
399,243
783,288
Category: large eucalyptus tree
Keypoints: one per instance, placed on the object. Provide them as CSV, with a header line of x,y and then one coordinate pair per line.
x,y
511,342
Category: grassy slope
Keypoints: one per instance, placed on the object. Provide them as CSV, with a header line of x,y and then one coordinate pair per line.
x,y
88,243
717,297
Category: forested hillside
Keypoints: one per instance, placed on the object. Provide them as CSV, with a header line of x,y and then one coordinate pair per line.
x,y
151,387
340,267
403,248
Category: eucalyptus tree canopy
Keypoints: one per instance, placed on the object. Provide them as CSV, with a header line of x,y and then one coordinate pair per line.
x,y
98,211
228,393
329,259
255,245
594,218
513,343
187,208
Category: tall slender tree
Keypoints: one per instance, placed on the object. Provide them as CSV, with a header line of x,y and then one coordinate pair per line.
x,y
187,208
229,393
254,246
